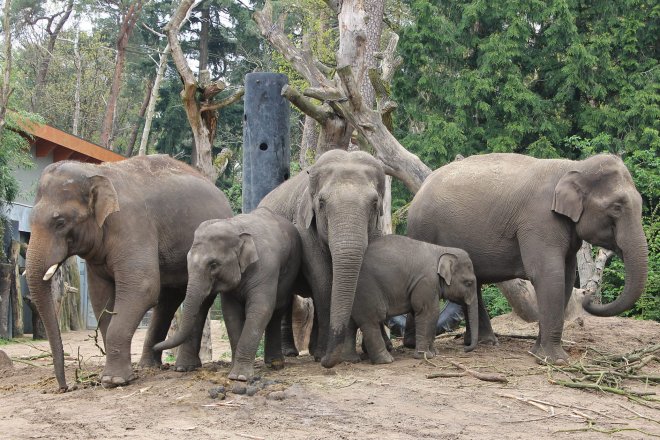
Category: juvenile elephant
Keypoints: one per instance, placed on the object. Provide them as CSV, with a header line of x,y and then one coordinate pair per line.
x,y
253,261
336,205
133,222
401,275
520,217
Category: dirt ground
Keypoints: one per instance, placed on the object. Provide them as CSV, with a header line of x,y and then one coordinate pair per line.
x,y
350,401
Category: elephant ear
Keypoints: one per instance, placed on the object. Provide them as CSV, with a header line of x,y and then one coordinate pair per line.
x,y
569,196
103,199
305,209
446,266
248,252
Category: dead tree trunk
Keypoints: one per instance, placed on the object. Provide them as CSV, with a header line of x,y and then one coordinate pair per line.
x,y
197,97
47,55
128,23
6,90
138,123
340,95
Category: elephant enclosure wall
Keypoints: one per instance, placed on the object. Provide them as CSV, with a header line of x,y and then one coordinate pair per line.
x,y
364,401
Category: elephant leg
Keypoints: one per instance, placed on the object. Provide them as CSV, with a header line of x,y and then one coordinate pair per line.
x,y
569,276
549,280
273,353
161,318
135,295
288,342
373,340
102,297
426,313
314,336
486,333
318,274
410,331
187,357
349,353
233,313
258,314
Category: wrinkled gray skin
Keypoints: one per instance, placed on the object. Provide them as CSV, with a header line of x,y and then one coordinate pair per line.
x,y
253,261
401,275
336,205
133,223
520,217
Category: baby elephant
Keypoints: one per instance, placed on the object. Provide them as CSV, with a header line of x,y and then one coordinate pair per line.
x,y
252,260
401,275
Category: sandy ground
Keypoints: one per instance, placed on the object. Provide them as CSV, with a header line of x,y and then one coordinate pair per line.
x,y
350,401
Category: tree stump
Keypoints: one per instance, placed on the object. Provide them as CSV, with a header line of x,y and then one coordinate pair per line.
x,y
5,362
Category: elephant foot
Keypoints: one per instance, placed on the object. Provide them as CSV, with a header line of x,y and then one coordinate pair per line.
x,y
550,353
409,342
241,372
149,361
108,380
186,368
290,351
486,339
382,358
275,364
421,354
186,362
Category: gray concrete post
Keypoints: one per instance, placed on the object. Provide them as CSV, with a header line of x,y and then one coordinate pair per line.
x,y
266,152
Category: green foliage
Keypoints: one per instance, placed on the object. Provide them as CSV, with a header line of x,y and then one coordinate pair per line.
x,y
527,76
495,302
15,153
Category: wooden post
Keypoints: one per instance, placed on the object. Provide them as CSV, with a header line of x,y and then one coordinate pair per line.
x,y
266,153
16,297
5,287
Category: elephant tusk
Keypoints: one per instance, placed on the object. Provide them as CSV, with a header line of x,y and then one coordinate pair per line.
x,y
24,273
51,271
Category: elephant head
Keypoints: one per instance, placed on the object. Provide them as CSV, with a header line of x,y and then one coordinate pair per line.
x,y
601,199
219,256
343,202
68,218
459,285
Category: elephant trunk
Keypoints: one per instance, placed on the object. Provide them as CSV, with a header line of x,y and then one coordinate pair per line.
x,y
632,242
347,238
41,295
195,295
473,322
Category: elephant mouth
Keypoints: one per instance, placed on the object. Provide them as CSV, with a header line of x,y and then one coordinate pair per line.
x,y
51,271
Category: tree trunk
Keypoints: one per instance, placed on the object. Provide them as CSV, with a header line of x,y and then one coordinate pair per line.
x,y
6,272
308,143
5,92
16,297
128,23
77,59
47,56
138,123
153,97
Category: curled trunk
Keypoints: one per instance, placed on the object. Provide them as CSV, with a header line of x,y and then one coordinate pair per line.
x,y
191,305
632,241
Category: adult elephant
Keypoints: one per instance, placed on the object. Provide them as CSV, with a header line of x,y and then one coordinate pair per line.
x,y
337,204
133,222
520,217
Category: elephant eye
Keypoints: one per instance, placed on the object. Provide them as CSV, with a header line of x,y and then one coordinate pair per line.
x,y
468,283
214,265
60,223
321,203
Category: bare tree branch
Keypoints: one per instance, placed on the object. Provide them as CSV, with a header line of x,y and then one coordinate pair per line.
x,y
225,102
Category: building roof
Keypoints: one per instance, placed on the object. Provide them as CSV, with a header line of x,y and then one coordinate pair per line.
x,y
66,146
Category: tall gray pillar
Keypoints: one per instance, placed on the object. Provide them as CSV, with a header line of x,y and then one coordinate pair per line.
x,y
266,141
